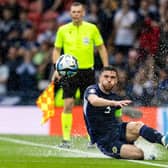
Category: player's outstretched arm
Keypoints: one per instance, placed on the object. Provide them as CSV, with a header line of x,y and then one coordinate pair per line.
x,y
98,101
121,103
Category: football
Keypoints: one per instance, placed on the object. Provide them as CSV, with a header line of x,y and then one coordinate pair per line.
x,y
67,65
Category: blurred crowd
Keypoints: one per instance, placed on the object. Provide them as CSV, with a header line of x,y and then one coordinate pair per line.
x,y
135,34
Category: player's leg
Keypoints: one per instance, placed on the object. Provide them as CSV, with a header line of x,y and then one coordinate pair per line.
x,y
132,131
129,132
136,129
165,140
129,151
119,149
154,136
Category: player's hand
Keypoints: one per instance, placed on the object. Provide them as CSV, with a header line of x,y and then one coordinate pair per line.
x,y
122,103
55,77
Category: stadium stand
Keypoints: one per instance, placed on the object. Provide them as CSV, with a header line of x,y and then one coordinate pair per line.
x,y
30,26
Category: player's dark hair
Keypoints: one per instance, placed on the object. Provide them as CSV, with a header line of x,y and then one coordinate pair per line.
x,y
76,4
109,68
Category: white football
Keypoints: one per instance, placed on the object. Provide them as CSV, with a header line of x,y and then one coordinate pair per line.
x,y
67,65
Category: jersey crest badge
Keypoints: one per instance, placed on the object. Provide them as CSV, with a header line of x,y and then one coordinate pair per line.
x,y
86,40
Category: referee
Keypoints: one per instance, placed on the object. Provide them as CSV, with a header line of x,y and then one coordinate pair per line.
x,y
77,38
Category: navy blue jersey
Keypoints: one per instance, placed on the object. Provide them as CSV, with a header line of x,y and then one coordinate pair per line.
x,y
99,120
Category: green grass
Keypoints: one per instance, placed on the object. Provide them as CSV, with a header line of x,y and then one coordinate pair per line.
x,y
18,151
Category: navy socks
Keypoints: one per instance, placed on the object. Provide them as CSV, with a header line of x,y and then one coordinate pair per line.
x,y
151,134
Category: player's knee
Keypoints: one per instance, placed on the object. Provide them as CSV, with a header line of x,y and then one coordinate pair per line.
x,y
139,125
134,127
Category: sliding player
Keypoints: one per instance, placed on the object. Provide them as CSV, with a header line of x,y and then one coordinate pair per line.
x,y
102,111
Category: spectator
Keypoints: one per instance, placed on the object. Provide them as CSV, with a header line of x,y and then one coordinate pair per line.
x,y
14,8
7,23
29,39
42,60
56,5
23,22
149,38
26,73
13,38
13,61
91,14
124,21
132,64
142,13
163,45
118,61
147,8
163,7
161,96
49,34
143,86
105,18
4,75
123,88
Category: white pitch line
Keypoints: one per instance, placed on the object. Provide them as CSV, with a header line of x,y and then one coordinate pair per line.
x,y
85,154
149,163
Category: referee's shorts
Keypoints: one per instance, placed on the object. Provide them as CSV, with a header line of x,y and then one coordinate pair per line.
x,y
81,80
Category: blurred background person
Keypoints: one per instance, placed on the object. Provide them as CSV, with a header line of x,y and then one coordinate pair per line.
x,y
161,93
4,75
26,73
124,20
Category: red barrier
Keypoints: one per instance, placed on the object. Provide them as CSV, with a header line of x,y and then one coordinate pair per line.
x,y
78,126
149,116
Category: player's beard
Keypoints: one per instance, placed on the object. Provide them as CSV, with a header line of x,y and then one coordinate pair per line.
x,y
107,87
